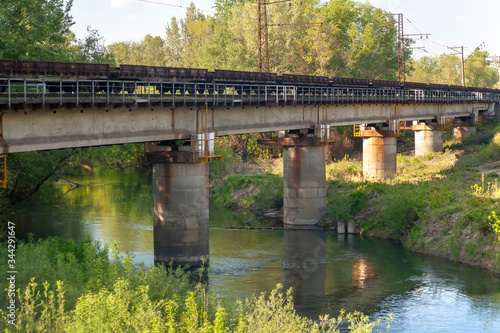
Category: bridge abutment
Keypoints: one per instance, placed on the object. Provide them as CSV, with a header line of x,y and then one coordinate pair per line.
x,y
181,209
428,139
304,181
379,153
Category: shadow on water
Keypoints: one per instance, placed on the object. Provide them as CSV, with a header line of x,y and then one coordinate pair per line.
x,y
328,272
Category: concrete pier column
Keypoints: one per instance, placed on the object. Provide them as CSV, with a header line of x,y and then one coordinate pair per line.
x,y
304,181
181,210
463,131
379,157
428,139
341,227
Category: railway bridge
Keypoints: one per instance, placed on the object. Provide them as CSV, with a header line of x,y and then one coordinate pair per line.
x,y
179,124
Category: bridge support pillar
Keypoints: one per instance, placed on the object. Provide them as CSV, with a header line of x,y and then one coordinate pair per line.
x,y
304,181
379,153
181,209
428,139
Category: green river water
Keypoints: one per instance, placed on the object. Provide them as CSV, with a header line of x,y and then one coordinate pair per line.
x,y
328,272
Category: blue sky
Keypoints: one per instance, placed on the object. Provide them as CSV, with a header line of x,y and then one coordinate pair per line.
x,y
465,23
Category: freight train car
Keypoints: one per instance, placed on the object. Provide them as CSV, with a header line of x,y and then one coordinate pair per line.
x,y
63,76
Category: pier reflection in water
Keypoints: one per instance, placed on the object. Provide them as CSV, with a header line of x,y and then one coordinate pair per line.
x,y
328,272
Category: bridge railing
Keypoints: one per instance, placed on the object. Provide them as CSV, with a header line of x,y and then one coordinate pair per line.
x,y
16,93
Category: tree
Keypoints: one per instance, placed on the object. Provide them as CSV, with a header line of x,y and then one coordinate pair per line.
x,y
447,69
149,52
93,49
424,70
173,44
480,72
354,40
36,29
28,176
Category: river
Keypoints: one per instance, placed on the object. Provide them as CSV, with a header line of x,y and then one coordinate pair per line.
x,y
329,272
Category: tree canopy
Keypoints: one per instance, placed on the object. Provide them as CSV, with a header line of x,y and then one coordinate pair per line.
x,y
335,38
447,69
340,37
35,29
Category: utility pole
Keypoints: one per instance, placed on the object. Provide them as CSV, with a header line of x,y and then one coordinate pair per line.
x,y
263,31
401,47
461,52
263,37
454,48
463,67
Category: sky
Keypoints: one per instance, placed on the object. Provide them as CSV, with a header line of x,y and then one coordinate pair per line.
x,y
451,23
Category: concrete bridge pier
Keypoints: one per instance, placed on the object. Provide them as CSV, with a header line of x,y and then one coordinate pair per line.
x,y
304,180
428,138
181,207
379,153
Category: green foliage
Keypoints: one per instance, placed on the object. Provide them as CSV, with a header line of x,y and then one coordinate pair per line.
x,y
350,39
495,224
258,192
343,206
447,69
28,176
489,190
150,51
357,40
152,299
117,155
399,210
36,30
246,147
92,48
347,169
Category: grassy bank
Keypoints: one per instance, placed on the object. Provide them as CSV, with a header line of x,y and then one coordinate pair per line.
x,y
444,204
63,286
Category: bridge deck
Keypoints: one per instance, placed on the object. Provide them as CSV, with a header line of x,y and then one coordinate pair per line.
x,y
34,118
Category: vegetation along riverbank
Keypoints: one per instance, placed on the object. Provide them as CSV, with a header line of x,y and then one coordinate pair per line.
x,y
443,204
84,287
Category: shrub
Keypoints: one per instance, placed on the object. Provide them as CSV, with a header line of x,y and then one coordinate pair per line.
x,y
399,211
149,299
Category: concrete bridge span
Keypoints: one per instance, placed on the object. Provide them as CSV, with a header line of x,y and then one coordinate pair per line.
x,y
56,128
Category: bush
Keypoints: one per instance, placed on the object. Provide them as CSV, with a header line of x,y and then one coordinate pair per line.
x,y
400,210
113,296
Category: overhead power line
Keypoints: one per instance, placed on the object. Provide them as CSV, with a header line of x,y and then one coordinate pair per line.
x,y
178,6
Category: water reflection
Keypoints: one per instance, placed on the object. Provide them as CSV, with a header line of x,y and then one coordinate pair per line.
x,y
327,272
304,264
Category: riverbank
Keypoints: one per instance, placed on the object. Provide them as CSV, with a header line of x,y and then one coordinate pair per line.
x,y
68,286
442,204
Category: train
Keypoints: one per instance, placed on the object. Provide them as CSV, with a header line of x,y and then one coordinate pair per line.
x,y
61,74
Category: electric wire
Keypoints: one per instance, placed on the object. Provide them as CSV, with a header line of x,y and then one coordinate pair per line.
x,y
178,6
